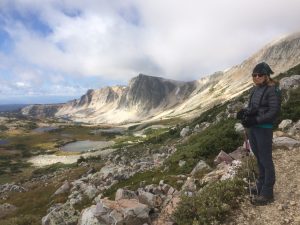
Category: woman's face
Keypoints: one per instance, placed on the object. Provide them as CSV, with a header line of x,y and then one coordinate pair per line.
x,y
259,79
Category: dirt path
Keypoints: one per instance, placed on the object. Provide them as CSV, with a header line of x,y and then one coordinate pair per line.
x,y
286,207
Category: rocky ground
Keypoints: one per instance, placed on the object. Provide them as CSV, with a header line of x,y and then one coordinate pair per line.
x,y
286,207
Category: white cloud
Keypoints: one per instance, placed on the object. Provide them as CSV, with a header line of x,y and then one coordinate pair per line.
x,y
116,40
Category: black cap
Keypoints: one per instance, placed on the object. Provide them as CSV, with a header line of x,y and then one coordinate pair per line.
x,y
262,68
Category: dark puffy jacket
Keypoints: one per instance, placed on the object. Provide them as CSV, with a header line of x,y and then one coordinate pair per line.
x,y
265,103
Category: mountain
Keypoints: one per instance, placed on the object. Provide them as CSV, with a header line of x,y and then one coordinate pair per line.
x,y
143,97
11,107
153,98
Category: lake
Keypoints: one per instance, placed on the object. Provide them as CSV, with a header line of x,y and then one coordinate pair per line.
x,y
3,142
84,146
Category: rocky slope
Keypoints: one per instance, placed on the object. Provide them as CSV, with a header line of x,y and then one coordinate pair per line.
x,y
285,209
154,98
154,202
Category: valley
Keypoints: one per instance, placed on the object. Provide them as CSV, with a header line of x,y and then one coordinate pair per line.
x,y
183,165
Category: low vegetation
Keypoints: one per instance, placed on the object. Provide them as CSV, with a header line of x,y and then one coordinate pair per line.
x,y
205,145
212,204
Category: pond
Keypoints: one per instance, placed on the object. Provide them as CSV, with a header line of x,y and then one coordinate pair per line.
x,y
44,129
3,142
85,146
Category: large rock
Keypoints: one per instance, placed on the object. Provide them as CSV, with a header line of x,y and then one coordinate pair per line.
x,y
62,215
125,194
223,157
285,124
295,129
185,131
165,217
239,153
149,199
291,82
201,166
238,127
121,212
88,217
285,142
63,189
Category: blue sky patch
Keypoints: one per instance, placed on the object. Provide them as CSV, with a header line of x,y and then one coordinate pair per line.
x,y
6,43
32,21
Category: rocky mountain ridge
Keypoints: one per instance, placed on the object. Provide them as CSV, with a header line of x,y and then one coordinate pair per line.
x,y
154,98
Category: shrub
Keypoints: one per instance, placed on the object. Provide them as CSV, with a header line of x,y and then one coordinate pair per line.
x,y
291,108
51,169
22,220
205,145
211,204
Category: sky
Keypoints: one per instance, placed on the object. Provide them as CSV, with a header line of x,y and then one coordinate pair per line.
x,y
55,50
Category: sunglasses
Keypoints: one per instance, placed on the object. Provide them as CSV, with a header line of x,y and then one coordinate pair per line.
x,y
257,75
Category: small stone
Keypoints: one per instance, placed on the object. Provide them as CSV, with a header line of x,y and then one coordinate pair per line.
x,y
297,219
293,203
280,207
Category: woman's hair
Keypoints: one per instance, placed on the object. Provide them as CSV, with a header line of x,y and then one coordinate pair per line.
x,y
270,81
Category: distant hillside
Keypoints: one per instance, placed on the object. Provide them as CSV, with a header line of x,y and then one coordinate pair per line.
x,y
12,107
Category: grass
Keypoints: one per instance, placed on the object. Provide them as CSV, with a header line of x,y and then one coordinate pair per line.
x,y
33,204
148,177
205,145
211,205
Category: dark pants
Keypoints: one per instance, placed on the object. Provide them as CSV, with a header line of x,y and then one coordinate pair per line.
x,y
261,145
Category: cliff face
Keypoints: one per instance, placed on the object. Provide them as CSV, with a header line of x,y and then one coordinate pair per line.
x,y
41,111
149,97
142,98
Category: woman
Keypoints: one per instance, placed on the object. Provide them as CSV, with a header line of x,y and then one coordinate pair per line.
x,y
259,116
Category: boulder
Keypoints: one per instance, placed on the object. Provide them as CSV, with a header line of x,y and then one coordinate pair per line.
x,y
223,157
124,211
62,215
291,82
88,217
165,217
214,175
149,199
285,124
285,142
239,153
63,189
185,131
295,129
238,127
125,194
201,166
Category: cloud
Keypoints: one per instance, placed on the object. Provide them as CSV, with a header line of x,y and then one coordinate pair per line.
x,y
74,40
